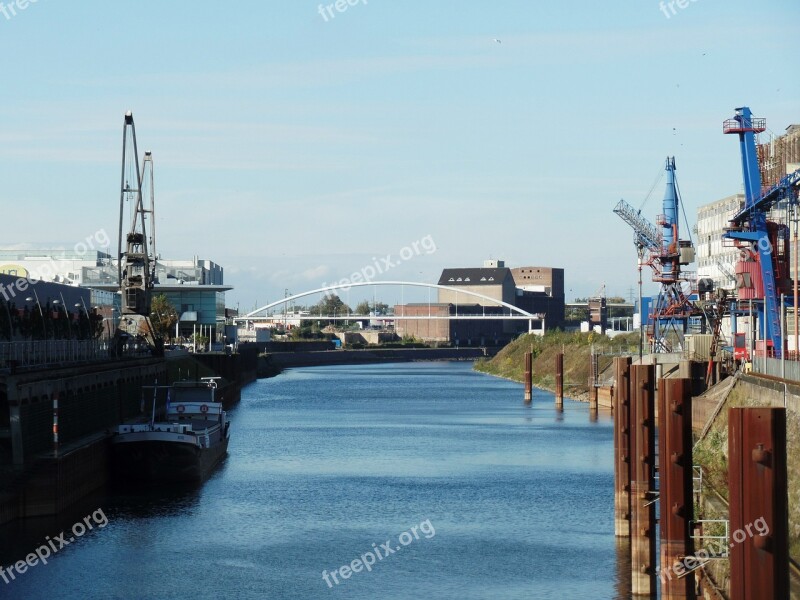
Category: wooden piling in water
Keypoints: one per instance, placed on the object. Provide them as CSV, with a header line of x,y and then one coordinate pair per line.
x,y
559,378
528,377
643,507
758,503
622,448
675,491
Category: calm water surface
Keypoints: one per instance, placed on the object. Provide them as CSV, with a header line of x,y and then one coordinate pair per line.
x,y
328,464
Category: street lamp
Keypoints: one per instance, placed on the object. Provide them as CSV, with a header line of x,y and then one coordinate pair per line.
x,y
86,312
56,304
41,312
10,322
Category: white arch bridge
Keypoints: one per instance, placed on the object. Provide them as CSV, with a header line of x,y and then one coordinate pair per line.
x,y
514,313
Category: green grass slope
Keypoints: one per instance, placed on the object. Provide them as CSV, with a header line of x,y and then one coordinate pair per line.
x,y
576,347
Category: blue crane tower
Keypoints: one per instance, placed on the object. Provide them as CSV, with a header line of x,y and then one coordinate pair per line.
x,y
667,253
750,228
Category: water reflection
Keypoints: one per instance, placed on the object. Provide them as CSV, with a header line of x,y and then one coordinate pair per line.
x,y
325,462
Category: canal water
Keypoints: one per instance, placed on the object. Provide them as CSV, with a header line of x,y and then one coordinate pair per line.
x,y
439,477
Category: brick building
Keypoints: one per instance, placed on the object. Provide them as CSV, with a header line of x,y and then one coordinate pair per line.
x,y
464,332
537,290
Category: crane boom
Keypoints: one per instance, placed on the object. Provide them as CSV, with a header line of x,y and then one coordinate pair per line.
x,y
786,189
136,249
136,263
645,233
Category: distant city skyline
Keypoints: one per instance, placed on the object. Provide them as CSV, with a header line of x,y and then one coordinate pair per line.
x,y
295,146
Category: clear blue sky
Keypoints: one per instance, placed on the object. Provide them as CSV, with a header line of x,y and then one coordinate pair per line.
x,y
292,150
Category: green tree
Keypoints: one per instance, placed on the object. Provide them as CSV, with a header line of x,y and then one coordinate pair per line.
x,y
163,316
330,306
201,341
366,308
576,314
618,311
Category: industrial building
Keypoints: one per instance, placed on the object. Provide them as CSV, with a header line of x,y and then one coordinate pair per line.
x,y
716,257
195,287
541,290
779,156
537,290
466,332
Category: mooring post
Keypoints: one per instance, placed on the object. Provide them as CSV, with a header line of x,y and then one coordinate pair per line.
x,y
622,448
528,377
559,378
593,377
759,510
675,493
55,425
643,508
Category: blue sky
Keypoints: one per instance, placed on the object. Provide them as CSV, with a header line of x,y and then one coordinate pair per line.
x,y
292,150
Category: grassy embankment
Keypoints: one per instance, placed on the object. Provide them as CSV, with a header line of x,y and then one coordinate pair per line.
x,y
510,361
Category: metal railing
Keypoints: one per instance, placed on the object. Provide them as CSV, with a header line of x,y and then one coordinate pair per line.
x,y
57,352
724,540
788,369
697,479
616,349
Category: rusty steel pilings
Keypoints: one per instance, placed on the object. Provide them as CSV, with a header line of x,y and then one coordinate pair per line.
x,y
758,503
622,448
643,509
559,378
528,377
675,491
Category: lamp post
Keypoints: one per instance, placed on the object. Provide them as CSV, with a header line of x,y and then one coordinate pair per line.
x,y
56,304
10,322
115,316
86,312
41,312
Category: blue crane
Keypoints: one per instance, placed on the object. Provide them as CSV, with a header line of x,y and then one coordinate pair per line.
x,y
667,252
750,226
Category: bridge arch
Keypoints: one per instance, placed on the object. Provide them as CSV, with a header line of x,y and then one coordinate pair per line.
x,y
346,286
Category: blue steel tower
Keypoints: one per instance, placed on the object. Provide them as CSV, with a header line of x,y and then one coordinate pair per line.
x,y
764,238
670,268
673,307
